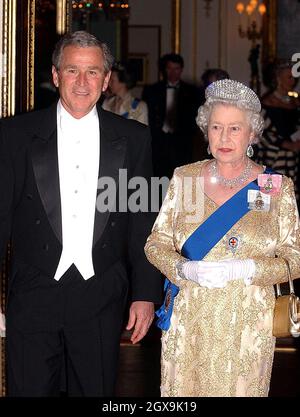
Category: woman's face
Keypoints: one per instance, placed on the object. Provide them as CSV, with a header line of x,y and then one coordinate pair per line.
x,y
285,80
229,133
114,84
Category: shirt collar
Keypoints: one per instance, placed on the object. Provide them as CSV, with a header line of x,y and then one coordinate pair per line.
x,y
66,119
170,85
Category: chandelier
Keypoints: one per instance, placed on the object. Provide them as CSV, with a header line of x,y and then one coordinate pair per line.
x,y
113,9
254,10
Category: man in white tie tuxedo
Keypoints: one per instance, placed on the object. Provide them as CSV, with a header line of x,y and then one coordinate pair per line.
x,y
172,108
73,265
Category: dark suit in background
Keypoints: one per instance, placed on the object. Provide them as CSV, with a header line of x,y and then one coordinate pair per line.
x,y
172,147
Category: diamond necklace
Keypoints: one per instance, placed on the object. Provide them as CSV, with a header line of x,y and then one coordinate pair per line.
x,y
229,182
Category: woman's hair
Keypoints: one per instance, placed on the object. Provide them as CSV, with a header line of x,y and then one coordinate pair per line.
x,y
125,74
232,93
213,74
272,70
81,39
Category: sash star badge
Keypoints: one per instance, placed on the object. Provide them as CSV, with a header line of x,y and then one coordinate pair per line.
x,y
233,241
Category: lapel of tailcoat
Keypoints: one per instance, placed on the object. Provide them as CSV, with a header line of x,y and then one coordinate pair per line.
x,y
112,155
45,167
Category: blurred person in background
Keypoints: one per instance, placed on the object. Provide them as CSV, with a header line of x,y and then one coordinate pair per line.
x,y
121,100
209,76
172,105
280,143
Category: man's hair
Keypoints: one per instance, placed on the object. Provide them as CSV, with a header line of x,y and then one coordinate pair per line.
x,y
82,39
176,58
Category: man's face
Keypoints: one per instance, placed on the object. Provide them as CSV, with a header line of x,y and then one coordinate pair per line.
x,y
173,72
80,79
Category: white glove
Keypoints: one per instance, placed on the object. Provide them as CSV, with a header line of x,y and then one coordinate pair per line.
x,y
217,274
2,325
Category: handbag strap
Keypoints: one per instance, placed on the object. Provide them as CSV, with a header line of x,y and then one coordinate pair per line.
x,y
291,284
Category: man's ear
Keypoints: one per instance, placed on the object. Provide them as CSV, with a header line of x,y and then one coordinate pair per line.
x,y
55,77
106,81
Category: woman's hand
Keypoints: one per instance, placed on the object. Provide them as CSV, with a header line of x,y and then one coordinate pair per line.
x,y
217,274
206,274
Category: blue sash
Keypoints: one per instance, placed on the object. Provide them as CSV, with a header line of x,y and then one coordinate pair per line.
x,y
134,105
204,238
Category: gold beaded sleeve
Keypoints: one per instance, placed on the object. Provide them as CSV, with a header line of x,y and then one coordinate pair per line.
x,y
270,271
160,249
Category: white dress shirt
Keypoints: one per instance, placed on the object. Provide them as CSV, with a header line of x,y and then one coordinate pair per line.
x,y
78,143
171,103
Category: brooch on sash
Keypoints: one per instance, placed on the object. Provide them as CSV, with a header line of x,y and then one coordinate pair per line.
x,y
269,183
258,201
233,241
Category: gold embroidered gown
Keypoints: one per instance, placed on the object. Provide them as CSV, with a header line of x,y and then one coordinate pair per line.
x,y
220,340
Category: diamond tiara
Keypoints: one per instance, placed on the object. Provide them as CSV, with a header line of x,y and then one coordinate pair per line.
x,y
233,92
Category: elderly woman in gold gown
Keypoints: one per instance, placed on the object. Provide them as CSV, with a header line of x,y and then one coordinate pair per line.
x,y
224,261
